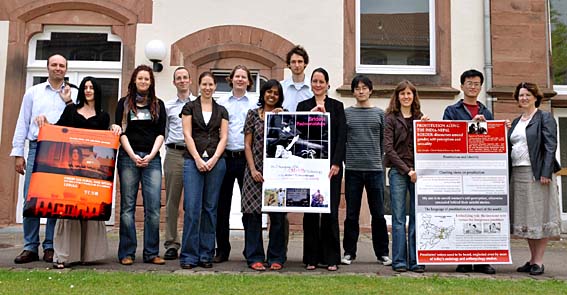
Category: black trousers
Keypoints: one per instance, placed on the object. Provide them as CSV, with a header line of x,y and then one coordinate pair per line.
x,y
321,239
234,171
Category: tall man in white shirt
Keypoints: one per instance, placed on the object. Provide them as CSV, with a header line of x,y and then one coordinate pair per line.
x,y
237,103
42,104
296,88
173,163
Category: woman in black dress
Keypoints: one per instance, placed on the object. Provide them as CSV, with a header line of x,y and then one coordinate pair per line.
x,y
321,242
82,240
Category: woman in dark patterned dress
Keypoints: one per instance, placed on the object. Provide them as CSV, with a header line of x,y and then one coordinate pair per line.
x,y
271,99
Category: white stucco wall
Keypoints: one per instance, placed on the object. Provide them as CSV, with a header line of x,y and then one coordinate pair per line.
x,y
3,56
316,25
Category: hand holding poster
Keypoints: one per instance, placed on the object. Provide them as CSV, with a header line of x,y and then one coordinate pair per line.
x,y
296,163
462,192
73,174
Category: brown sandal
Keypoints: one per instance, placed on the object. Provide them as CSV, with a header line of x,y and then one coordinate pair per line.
x,y
276,266
258,266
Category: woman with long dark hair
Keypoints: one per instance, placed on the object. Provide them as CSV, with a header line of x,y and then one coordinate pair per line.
x,y
271,99
404,108
82,240
321,242
142,117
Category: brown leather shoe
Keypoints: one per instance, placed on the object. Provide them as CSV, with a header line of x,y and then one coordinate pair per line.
x,y
26,256
156,260
219,259
127,261
48,255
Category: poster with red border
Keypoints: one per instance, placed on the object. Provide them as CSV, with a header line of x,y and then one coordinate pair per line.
x,y
73,174
461,199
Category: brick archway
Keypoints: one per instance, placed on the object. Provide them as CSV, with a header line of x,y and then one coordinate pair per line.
x,y
226,46
28,17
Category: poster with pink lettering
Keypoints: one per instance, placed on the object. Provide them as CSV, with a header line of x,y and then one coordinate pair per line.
x,y
296,163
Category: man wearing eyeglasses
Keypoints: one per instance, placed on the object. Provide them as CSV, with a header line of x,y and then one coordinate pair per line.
x,y
468,109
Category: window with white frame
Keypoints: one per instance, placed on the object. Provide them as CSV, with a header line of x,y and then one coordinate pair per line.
x,y
223,87
395,37
558,26
90,51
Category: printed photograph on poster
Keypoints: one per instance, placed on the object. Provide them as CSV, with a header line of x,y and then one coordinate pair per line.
x,y
80,160
73,174
478,127
301,136
296,163
275,197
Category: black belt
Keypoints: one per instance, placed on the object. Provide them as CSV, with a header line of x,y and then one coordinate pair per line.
x,y
234,154
174,146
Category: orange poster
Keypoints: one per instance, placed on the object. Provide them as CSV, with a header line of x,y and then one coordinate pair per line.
x,y
73,174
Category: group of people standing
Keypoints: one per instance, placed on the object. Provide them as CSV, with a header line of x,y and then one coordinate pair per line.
x,y
211,143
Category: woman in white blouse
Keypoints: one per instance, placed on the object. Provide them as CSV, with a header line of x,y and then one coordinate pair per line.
x,y
533,140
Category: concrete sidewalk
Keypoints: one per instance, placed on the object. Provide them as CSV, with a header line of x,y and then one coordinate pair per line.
x,y
365,264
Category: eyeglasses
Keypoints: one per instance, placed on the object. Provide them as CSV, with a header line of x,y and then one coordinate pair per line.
x,y
470,84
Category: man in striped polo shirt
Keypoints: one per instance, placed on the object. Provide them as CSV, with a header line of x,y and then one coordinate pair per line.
x,y
364,169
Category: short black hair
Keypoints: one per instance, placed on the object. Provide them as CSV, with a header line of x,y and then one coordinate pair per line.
x,y
470,74
360,78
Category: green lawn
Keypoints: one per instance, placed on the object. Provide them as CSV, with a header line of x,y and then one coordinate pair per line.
x,y
97,282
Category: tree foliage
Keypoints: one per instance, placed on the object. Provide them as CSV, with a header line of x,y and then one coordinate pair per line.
x,y
559,47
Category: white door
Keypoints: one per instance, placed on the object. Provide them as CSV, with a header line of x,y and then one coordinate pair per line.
x,y
561,118
90,51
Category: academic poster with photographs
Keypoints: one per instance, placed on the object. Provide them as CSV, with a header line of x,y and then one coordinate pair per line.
x,y
296,163
462,204
73,174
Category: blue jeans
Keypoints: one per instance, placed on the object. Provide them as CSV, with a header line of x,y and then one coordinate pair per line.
x,y
253,240
403,251
201,196
355,182
130,178
31,224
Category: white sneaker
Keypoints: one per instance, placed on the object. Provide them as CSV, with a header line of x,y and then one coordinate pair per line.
x,y
385,260
347,259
